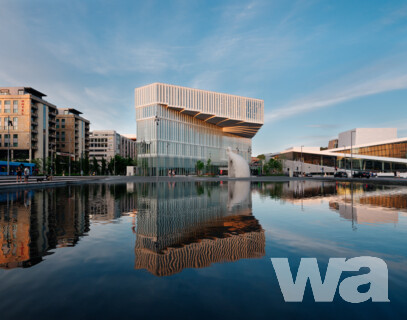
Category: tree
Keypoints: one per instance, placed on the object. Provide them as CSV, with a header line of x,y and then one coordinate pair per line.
x,y
103,167
273,165
208,166
38,164
199,166
261,157
85,165
95,166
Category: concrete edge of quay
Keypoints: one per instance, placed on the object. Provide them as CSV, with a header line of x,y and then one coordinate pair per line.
x,y
139,179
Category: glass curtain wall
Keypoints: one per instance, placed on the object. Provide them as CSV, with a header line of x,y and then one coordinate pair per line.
x,y
168,140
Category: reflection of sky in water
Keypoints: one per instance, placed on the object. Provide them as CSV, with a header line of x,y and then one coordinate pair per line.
x,y
192,250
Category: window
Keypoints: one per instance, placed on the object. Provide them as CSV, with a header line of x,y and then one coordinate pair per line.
x,y
57,123
7,106
6,140
7,121
20,91
15,140
15,106
15,123
63,123
63,136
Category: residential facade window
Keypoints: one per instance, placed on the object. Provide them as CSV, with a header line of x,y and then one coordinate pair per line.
x,y
7,106
15,140
6,140
15,123
15,106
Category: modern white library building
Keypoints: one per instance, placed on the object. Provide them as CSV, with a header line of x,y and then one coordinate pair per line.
x,y
177,126
368,149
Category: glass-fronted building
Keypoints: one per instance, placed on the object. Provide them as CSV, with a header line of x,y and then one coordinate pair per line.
x,y
177,126
373,154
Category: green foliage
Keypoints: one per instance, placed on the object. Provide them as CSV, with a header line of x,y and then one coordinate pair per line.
x,y
38,165
103,166
273,166
118,165
199,166
95,166
208,166
261,157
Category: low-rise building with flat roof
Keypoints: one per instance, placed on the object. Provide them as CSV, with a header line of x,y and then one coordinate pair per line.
x,y
375,150
108,143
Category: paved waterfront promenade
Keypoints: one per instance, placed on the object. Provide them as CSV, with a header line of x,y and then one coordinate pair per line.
x,y
9,183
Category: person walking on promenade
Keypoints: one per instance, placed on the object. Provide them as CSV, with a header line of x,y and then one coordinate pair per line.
x,y
26,174
19,174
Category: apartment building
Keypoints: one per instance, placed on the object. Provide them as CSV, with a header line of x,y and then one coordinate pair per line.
x,y
72,133
108,143
27,124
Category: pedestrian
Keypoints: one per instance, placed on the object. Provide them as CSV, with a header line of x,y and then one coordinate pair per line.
x,y
173,173
19,174
26,174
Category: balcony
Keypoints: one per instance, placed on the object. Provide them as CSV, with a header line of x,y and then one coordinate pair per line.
x,y
34,139
34,130
34,114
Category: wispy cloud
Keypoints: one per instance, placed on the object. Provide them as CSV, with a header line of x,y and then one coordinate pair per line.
x,y
362,87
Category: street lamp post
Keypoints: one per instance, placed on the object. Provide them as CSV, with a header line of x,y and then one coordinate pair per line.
x,y
167,157
157,122
9,123
344,158
351,152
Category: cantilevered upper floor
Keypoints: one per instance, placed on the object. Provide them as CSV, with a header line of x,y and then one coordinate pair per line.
x,y
237,115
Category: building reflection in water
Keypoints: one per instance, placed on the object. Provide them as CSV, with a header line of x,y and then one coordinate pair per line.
x,y
193,226
33,223
177,226
357,202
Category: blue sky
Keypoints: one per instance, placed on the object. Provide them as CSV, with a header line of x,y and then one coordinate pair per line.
x,y
322,67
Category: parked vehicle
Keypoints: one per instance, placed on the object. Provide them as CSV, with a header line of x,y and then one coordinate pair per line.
x,y
340,174
309,175
361,174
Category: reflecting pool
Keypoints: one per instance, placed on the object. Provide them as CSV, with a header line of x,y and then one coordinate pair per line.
x,y
194,250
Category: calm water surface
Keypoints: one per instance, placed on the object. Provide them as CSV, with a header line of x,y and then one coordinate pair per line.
x,y
192,250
